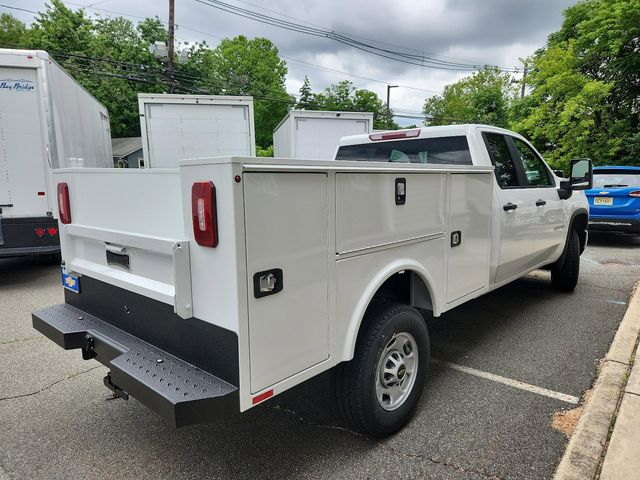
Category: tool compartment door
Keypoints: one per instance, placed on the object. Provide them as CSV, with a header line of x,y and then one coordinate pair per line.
x,y
469,223
286,218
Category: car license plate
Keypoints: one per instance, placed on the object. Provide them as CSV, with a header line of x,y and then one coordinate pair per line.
x,y
603,201
70,282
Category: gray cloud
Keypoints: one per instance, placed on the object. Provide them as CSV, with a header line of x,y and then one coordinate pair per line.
x,y
489,31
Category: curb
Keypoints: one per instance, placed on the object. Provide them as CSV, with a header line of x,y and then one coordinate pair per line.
x,y
588,443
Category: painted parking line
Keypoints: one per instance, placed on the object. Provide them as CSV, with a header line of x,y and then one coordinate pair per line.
x,y
563,397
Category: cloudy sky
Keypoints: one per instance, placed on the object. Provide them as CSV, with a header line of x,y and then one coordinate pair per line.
x,y
495,32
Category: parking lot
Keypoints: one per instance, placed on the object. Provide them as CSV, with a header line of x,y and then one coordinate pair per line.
x,y
474,421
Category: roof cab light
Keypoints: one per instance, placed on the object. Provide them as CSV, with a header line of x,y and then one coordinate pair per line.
x,y
204,214
64,207
635,193
395,135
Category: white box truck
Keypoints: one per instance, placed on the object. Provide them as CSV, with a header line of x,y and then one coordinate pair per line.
x,y
314,134
47,121
174,127
234,279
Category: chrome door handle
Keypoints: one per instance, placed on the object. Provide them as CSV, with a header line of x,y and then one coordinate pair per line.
x,y
540,203
509,206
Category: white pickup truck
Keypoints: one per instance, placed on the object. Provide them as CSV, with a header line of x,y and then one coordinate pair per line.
x,y
210,288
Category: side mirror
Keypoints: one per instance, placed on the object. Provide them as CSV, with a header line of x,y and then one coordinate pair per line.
x,y
580,177
581,174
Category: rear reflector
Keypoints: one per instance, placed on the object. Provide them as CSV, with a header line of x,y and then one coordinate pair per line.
x,y
263,396
635,193
64,208
41,194
52,231
395,135
40,232
204,214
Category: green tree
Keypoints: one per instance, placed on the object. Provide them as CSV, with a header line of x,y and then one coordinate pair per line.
x,y
563,116
483,97
585,86
124,51
60,30
12,31
306,100
344,97
240,66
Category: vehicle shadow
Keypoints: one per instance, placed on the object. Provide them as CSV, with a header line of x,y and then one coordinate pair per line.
x,y
301,432
22,270
298,434
617,240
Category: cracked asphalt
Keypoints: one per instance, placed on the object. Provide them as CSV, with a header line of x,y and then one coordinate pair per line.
x,y
58,421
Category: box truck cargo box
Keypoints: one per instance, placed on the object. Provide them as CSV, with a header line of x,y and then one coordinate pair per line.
x,y
174,127
47,121
314,134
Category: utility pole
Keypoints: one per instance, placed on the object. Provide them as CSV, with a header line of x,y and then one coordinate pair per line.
x,y
389,87
170,66
524,81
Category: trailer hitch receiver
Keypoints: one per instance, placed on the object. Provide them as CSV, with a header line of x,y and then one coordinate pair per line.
x,y
88,348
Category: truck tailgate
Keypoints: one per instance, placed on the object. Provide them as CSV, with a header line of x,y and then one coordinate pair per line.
x,y
111,240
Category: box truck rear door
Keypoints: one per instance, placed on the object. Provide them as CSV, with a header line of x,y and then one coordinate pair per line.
x,y
177,131
317,138
22,151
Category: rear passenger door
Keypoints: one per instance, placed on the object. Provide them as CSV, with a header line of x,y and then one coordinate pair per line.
x,y
527,206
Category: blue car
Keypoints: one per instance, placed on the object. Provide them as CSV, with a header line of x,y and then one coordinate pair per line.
x,y
614,200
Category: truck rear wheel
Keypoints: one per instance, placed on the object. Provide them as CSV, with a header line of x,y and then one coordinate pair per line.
x,y
564,276
378,390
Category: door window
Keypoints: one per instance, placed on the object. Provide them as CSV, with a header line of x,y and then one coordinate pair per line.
x,y
536,173
505,170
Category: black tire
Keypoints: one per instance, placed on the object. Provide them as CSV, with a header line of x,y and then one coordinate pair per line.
x,y
564,275
355,381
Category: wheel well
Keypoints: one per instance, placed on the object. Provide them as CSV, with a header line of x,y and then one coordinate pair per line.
x,y
579,224
406,287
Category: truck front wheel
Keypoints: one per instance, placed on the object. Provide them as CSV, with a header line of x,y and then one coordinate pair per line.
x,y
378,390
564,275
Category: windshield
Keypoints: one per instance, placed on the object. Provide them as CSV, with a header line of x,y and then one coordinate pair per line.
x,y
616,179
434,151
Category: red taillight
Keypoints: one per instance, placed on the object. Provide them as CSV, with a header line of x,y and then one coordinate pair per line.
x,y
635,193
395,135
40,232
52,231
204,214
64,208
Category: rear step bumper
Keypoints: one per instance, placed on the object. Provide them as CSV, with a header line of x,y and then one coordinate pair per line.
x,y
179,392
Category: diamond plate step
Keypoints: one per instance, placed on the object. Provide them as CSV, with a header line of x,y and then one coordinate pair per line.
x,y
180,392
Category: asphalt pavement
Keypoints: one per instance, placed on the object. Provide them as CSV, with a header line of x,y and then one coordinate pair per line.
x,y
507,362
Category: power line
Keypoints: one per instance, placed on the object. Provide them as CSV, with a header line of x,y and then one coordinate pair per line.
x,y
359,36
183,76
11,7
408,58
295,60
319,67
